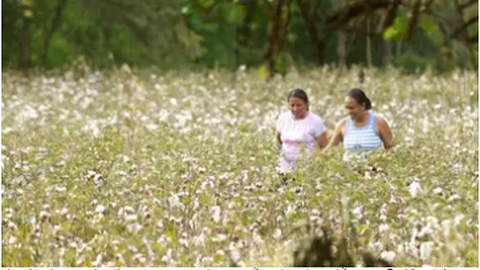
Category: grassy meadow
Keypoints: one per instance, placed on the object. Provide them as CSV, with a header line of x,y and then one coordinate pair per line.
x,y
115,169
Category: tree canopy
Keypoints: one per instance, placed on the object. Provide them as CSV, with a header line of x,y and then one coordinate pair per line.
x,y
270,35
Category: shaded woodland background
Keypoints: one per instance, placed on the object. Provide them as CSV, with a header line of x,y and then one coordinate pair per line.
x,y
269,35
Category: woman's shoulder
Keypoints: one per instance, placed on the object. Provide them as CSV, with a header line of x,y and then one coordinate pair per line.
x,y
284,116
379,118
342,122
315,117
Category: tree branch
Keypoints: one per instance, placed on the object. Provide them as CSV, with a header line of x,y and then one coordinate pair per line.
x,y
389,16
268,5
474,39
209,9
469,3
464,33
315,8
462,28
312,31
342,17
413,21
275,38
55,24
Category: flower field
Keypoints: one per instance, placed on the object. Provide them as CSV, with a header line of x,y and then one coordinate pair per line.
x,y
115,169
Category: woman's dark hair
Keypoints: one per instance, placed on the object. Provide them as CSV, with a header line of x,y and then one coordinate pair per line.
x,y
360,97
298,93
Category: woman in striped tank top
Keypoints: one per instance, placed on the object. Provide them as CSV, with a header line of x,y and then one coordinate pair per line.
x,y
361,132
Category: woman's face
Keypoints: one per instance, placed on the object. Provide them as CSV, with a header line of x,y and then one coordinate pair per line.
x,y
298,107
354,110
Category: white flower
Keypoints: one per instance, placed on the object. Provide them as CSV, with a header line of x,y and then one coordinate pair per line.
x,y
257,239
98,260
79,261
426,230
215,213
357,212
168,257
438,190
160,224
174,201
458,219
446,225
219,238
207,259
134,228
383,227
388,256
414,188
376,245
139,257
151,127
199,240
60,188
183,242
426,250
12,225
44,214
290,210
64,211
12,240
100,209
132,217
454,197
277,234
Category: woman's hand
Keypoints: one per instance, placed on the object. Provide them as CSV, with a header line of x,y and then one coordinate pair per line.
x,y
322,141
337,136
277,143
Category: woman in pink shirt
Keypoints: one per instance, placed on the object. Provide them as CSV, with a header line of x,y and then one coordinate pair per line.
x,y
298,127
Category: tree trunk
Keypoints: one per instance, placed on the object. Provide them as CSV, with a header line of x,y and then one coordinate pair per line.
x,y
55,24
24,59
243,31
398,48
389,16
369,43
413,21
386,52
464,34
341,53
317,46
275,38
284,28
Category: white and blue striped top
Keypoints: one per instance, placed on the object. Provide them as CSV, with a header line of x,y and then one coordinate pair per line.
x,y
359,141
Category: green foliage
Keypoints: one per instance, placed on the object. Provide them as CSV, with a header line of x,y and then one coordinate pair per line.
x,y
178,34
414,63
397,29
428,25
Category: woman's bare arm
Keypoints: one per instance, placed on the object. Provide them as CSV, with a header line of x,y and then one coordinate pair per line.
x,y
322,140
277,142
337,136
385,133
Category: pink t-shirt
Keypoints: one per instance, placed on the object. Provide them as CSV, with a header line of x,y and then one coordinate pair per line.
x,y
295,132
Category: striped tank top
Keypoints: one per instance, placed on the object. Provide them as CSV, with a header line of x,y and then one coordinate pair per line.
x,y
359,141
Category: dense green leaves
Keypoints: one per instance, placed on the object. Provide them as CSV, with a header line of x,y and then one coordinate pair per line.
x,y
398,29
177,34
